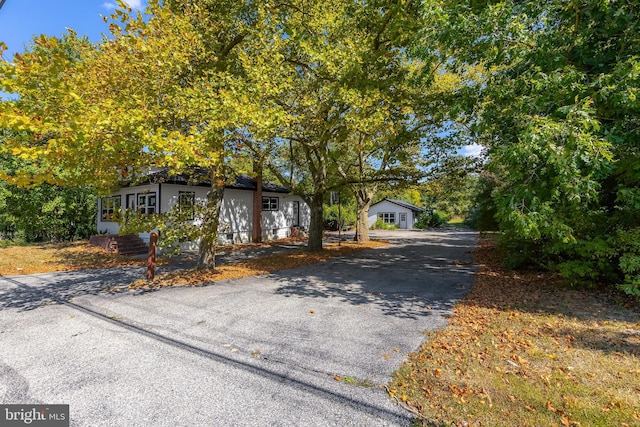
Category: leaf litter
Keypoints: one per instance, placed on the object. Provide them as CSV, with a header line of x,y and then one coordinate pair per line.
x,y
255,266
524,349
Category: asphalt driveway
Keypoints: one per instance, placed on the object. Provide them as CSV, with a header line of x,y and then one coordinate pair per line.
x,y
263,350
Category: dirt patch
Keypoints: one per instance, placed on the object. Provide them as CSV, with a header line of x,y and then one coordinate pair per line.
x,y
51,257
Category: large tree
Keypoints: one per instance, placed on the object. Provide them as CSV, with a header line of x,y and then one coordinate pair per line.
x,y
558,113
343,75
400,148
163,90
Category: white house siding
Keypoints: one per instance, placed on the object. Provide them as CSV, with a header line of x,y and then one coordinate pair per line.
x,y
386,206
236,212
170,192
277,224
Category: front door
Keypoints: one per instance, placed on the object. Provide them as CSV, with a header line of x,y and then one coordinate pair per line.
x,y
403,220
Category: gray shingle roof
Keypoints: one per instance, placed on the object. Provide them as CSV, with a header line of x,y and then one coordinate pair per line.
x,y
199,178
245,182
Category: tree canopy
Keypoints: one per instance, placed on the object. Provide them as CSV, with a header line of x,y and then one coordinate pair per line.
x,y
164,90
558,115
195,82
340,93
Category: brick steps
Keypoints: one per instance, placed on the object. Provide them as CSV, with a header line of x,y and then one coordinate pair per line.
x,y
129,244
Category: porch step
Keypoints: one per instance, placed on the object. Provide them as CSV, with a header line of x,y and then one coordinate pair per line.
x,y
129,244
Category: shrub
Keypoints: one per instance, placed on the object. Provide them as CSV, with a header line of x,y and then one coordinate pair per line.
x,y
330,217
433,219
381,225
482,218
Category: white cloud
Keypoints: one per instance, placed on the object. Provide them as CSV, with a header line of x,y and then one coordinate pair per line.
x,y
473,150
133,4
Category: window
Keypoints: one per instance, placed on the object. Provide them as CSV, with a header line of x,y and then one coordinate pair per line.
x,y
147,203
186,204
111,208
387,217
270,203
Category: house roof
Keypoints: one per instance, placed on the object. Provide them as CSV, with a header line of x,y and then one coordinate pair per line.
x,y
245,182
403,204
199,177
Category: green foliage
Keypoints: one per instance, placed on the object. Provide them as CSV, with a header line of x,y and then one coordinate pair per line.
x,y
453,186
45,212
381,225
409,195
629,260
50,213
482,215
558,112
166,89
433,219
174,226
12,238
332,221
325,94
352,94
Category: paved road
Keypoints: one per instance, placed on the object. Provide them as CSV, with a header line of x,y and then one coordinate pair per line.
x,y
256,351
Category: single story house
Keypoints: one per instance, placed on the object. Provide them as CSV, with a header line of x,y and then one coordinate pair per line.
x,y
393,211
160,192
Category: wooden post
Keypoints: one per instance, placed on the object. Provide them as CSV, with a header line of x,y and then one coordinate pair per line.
x,y
151,257
339,220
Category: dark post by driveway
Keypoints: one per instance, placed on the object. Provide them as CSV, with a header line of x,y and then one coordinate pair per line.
x,y
309,346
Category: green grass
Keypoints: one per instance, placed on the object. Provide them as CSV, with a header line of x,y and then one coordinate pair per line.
x,y
457,222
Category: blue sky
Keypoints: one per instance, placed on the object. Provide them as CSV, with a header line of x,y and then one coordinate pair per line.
x,y
20,20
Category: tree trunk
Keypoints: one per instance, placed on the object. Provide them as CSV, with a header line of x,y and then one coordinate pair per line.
x,y
363,203
316,226
256,230
211,220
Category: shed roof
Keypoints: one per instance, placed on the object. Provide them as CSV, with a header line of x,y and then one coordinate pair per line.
x,y
403,204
